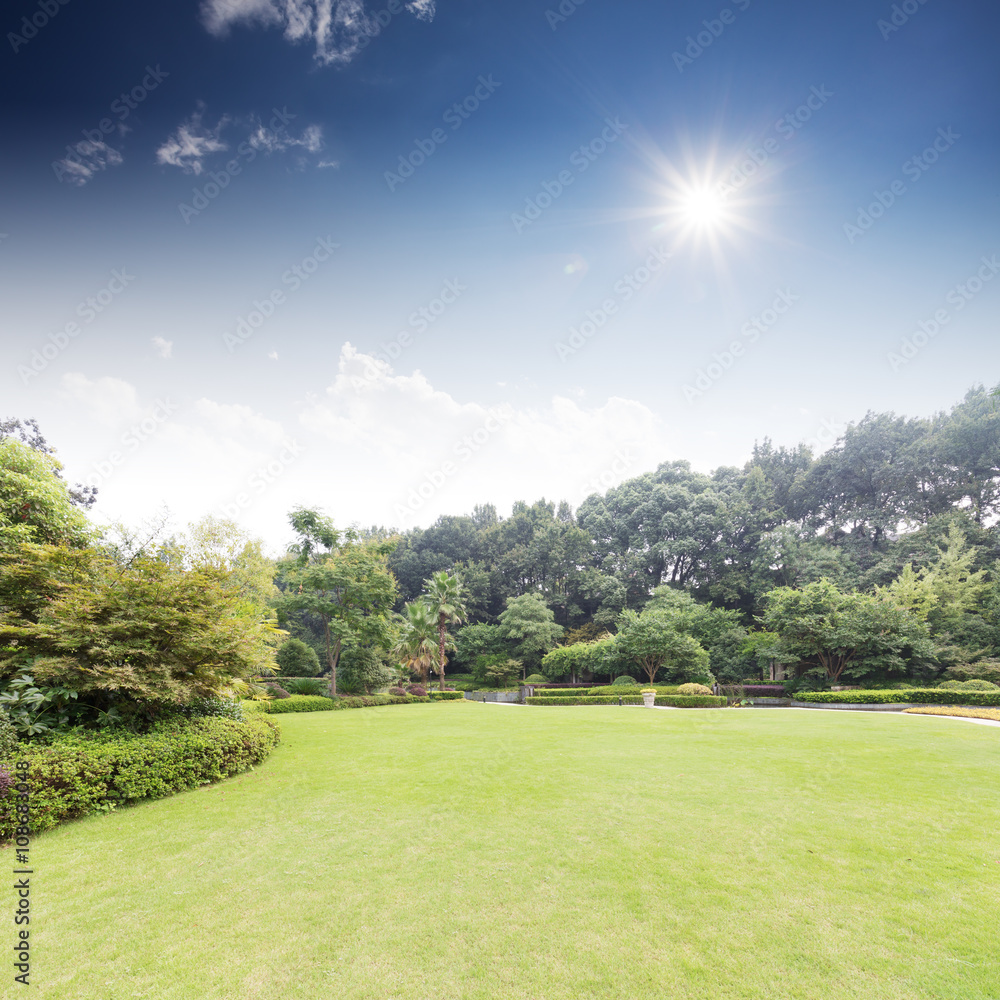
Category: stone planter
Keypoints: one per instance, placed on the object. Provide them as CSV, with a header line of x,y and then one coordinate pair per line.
x,y
648,697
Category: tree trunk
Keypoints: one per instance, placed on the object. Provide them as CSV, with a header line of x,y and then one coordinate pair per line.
x,y
332,656
441,652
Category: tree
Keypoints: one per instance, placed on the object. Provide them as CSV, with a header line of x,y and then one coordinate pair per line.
x,y
417,643
845,634
296,659
654,643
476,640
27,432
531,627
446,600
346,585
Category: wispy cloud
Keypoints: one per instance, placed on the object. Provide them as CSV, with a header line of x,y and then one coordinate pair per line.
x,y
86,159
165,348
191,143
339,28
277,141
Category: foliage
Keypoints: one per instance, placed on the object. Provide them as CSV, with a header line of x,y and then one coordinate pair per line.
x,y
276,691
653,642
293,703
82,773
296,659
964,713
986,670
479,639
930,696
973,685
670,700
694,689
530,626
304,685
625,681
535,679
444,594
9,744
417,691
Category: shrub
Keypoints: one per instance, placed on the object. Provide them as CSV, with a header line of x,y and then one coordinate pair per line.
x,y
673,701
447,696
417,691
80,772
965,713
764,691
293,703
694,689
276,691
536,679
7,781
986,670
305,685
971,685
9,744
223,708
397,691
660,689
624,681
929,696
296,659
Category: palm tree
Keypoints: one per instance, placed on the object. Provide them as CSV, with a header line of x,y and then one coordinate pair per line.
x,y
417,642
444,596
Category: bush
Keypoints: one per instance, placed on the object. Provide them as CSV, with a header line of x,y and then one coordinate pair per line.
x,y
972,685
624,681
397,691
984,670
305,685
296,659
9,744
929,696
964,713
81,772
447,696
276,691
673,701
417,691
7,781
660,689
690,689
293,703
764,691
536,679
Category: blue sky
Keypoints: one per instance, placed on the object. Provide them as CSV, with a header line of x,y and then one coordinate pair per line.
x,y
626,233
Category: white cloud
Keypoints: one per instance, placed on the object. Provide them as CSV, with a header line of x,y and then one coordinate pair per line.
x,y
338,28
165,348
87,159
324,164
191,143
277,141
273,355
109,401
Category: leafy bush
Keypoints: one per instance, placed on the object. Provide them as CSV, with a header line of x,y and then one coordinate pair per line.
x,y
9,744
293,703
673,701
447,696
223,708
79,773
397,691
764,691
417,691
310,703
984,670
660,689
690,689
930,696
7,781
276,691
297,659
305,685
624,681
971,685
536,679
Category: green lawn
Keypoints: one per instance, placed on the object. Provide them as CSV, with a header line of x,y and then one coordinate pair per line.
x,y
469,850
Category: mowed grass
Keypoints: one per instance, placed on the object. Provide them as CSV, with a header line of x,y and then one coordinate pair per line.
x,y
482,851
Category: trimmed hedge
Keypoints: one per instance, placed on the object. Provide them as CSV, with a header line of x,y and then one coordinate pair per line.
x,y
926,696
314,703
447,696
82,773
660,689
672,701
764,690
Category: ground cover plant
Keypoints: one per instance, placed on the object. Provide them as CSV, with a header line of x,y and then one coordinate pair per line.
x,y
472,851
961,712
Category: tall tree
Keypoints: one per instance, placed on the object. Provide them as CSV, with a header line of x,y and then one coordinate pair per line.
x,y
446,600
655,644
417,642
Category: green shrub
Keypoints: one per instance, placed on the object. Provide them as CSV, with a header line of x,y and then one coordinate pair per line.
x,y
972,685
445,696
694,689
315,686
536,679
625,681
924,696
673,701
80,772
296,659
660,689
293,703
9,744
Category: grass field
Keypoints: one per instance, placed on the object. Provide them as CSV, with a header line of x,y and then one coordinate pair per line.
x,y
481,851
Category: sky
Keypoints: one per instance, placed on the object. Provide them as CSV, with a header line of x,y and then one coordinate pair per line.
x,y
393,259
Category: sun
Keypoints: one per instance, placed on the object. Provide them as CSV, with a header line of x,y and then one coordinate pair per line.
x,y
703,208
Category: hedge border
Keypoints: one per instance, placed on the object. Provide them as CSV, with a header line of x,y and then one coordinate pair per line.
x,y
670,701
921,696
